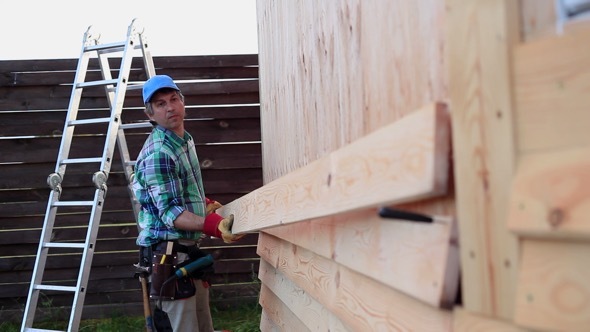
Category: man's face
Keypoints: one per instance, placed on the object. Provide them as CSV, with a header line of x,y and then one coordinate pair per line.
x,y
169,111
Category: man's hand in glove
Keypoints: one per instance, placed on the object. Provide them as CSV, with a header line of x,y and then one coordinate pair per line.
x,y
225,227
217,226
212,205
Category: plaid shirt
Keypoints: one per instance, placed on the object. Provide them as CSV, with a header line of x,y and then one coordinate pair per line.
x,y
167,182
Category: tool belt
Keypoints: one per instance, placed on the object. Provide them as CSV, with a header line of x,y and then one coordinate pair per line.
x,y
162,260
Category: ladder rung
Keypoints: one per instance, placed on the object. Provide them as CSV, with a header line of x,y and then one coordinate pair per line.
x,y
73,203
111,47
81,161
135,86
57,288
96,83
89,121
30,329
64,245
130,163
136,125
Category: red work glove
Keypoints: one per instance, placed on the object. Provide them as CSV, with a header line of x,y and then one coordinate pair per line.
x,y
217,226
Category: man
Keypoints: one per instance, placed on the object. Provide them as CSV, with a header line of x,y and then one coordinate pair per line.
x,y
174,209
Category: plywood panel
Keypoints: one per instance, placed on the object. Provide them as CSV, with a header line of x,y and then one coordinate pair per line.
x,y
421,260
480,35
552,85
551,195
359,301
405,161
553,288
334,71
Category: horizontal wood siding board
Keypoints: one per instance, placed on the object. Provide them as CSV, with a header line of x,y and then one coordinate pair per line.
x,y
466,321
402,162
552,80
550,195
553,293
422,259
280,313
358,300
313,314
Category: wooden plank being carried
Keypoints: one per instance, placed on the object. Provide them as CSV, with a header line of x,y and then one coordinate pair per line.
x,y
551,195
404,161
360,302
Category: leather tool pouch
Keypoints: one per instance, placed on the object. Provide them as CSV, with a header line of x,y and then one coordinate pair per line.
x,y
162,270
164,284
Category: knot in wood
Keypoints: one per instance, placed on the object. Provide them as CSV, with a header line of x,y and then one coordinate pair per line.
x,y
556,217
206,163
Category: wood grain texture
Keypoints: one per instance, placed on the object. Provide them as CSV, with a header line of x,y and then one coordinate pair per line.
x,y
421,260
309,311
266,324
552,85
359,301
480,36
465,321
553,291
332,72
551,195
405,161
538,18
279,313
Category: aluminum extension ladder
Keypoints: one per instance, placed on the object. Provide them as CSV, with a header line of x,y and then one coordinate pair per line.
x,y
115,89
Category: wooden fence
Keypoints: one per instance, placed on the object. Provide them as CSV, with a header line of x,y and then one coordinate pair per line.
x,y
223,115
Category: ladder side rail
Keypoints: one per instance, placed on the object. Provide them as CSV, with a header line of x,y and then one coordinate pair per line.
x,y
40,261
117,102
148,60
86,261
129,171
93,224
72,114
128,164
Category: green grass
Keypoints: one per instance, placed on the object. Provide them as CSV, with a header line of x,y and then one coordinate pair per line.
x,y
243,319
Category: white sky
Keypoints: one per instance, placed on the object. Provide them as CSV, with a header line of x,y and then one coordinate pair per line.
x,y
45,29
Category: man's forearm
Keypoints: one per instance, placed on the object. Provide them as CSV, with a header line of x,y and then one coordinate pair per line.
x,y
188,221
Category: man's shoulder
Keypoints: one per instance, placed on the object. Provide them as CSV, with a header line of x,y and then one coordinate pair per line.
x,y
158,143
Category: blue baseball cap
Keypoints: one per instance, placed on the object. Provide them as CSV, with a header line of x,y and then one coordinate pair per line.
x,y
156,83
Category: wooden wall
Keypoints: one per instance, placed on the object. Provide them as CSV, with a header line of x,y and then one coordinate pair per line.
x,y
342,84
333,75
222,114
